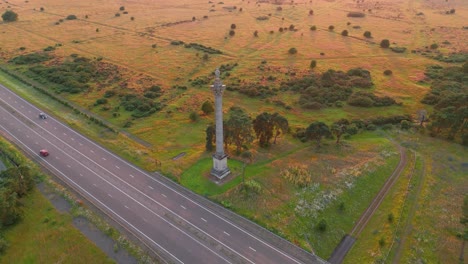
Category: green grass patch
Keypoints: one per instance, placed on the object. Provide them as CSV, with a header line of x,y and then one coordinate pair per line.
x,y
46,236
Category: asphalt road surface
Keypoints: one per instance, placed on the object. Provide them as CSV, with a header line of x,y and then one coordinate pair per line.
x,y
173,225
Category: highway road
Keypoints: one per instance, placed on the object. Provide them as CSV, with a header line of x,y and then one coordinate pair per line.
x,y
174,225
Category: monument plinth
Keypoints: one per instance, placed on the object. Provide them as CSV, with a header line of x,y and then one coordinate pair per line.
x,y
220,168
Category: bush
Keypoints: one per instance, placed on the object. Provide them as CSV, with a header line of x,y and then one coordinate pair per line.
x,y
109,93
322,226
387,72
368,34
362,101
405,124
331,28
232,33
434,46
117,14
344,33
9,16
356,14
101,101
194,116
122,8
313,28
292,51
382,242
385,43
390,218
71,17
207,107
3,244
313,64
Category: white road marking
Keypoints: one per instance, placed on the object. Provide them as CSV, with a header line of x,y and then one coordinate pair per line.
x,y
151,187
183,207
226,233
92,151
27,136
170,188
203,219
132,176
118,189
163,195
103,158
145,220
80,144
110,195
126,207
94,185
253,249
117,167
68,166
72,139
81,175
56,157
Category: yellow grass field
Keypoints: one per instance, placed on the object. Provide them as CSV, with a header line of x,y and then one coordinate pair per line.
x,y
136,36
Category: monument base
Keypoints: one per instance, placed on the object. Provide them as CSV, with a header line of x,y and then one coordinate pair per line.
x,y
220,168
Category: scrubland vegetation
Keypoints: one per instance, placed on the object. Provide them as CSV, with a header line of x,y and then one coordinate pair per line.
x,y
314,92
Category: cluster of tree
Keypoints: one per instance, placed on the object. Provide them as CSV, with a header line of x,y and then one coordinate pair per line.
x,y
72,76
240,130
252,89
203,48
365,99
449,96
141,105
324,90
31,58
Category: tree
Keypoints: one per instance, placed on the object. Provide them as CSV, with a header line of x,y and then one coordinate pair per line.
x,y
233,26
194,116
207,107
256,33
339,128
316,131
422,116
280,125
344,33
385,43
291,27
292,51
232,33
313,28
368,34
313,64
331,28
9,16
263,127
238,128
122,8
464,218
210,137
322,226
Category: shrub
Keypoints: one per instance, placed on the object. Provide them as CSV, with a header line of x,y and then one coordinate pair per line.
x,y
322,226
368,34
331,28
109,93
371,127
313,64
117,14
390,218
344,33
356,14
385,43
292,51
313,28
31,58
71,17
132,18
434,46
252,186
291,27
233,26
232,32
255,33
9,16
299,175
362,101
194,116
122,8
387,72
207,107
101,101
382,242
398,49
154,46
405,124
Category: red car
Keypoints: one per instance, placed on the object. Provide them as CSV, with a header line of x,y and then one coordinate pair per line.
x,y
44,152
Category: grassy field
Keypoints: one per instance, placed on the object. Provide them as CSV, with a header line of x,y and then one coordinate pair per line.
x,y
141,50
59,240
41,224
